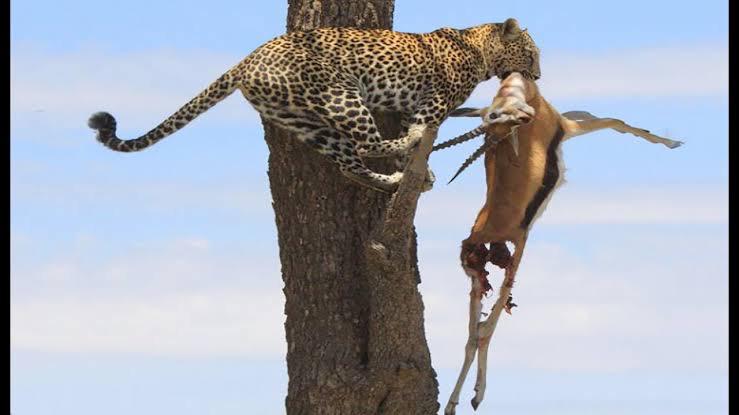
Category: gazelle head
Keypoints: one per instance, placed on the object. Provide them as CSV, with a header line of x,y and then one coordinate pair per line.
x,y
500,119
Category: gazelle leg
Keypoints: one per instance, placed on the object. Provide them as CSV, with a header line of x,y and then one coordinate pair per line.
x,y
589,123
470,347
487,327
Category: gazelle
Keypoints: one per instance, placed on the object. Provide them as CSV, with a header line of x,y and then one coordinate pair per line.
x,y
522,173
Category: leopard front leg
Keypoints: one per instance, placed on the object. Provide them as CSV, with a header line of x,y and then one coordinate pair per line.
x,y
399,148
430,113
401,160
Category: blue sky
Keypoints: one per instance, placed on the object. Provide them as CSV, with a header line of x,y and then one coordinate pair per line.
x,y
150,282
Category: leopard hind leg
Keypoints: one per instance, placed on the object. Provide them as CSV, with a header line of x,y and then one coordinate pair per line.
x,y
343,107
350,124
340,149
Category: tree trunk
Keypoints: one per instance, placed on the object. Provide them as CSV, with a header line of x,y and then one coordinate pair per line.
x,y
355,334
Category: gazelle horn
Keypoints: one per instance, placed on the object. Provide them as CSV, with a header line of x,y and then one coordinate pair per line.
x,y
489,143
471,159
461,139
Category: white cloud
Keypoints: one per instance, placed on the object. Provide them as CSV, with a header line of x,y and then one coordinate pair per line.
x,y
690,204
672,205
638,301
178,298
240,322
152,197
698,70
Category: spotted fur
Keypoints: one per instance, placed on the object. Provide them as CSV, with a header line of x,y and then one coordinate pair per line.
x,y
322,84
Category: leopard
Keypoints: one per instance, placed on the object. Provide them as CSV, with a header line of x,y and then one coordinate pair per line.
x,y
324,84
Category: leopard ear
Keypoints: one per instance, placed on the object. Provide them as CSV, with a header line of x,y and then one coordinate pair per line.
x,y
511,30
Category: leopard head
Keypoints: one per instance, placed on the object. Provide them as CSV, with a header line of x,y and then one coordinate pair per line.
x,y
513,50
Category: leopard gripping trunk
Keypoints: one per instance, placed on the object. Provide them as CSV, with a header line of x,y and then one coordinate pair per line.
x,y
345,352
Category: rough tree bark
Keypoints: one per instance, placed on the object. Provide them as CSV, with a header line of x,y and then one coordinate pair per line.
x,y
355,332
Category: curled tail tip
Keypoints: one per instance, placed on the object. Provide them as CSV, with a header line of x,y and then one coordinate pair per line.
x,y
102,121
105,125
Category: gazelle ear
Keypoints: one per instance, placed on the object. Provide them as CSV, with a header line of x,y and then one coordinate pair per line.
x,y
466,112
511,29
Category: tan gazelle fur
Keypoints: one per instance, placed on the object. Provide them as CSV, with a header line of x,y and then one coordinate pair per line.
x,y
523,165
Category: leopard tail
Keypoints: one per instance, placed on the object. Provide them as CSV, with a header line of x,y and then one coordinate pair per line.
x,y
105,124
